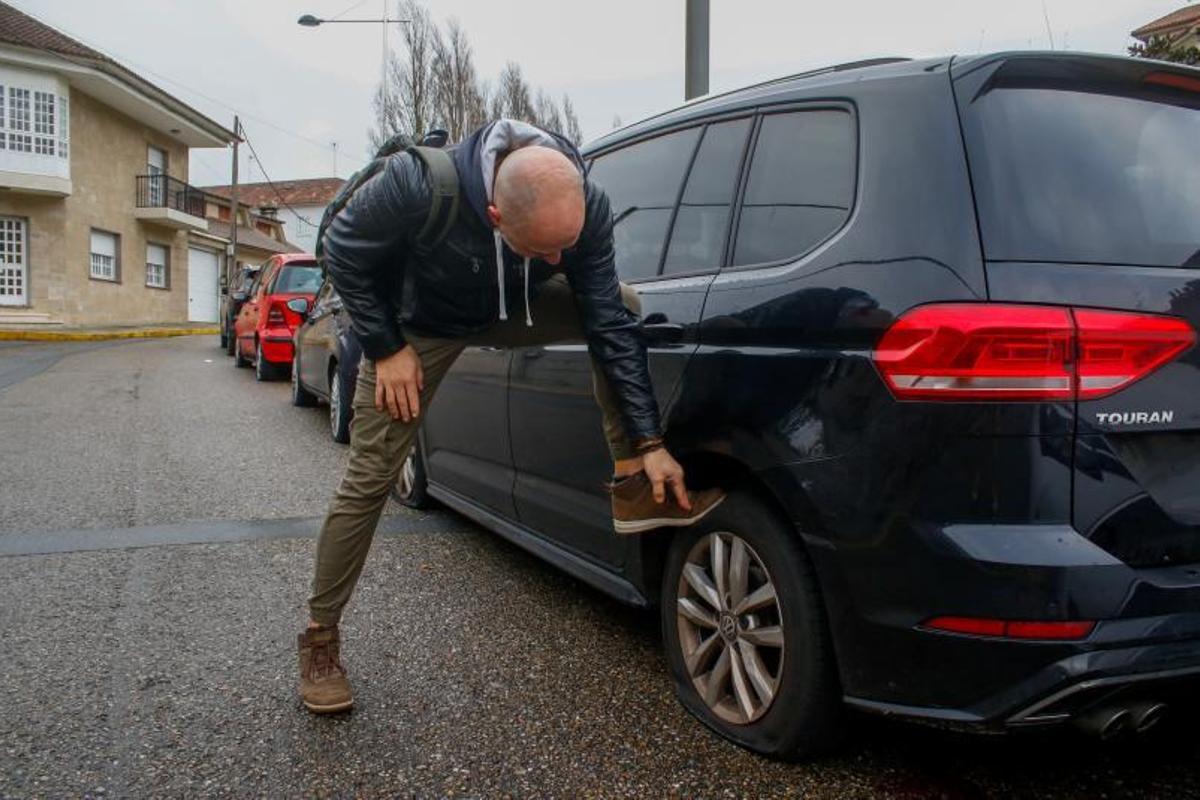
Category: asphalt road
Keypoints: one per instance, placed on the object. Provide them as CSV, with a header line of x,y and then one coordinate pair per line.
x,y
156,513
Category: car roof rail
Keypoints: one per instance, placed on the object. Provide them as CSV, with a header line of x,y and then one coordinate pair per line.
x,y
849,65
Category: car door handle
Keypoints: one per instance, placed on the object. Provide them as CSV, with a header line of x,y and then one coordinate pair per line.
x,y
533,352
668,332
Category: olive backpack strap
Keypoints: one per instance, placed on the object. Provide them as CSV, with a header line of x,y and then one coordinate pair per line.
x,y
443,207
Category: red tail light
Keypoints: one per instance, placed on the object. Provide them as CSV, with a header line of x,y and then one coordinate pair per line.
x,y
276,315
1010,629
986,351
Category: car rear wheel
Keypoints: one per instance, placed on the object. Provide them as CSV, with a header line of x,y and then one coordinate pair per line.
x,y
263,370
412,488
239,360
300,396
745,633
230,342
341,409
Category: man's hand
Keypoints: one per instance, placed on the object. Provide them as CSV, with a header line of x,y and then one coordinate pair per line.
x,y
398,384
663,471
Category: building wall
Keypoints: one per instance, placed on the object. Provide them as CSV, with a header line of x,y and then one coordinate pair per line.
x,y
107,151
301,230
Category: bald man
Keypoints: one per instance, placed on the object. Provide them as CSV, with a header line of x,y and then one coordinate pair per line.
x,y
527,261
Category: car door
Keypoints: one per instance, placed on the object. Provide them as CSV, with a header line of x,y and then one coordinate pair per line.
x,y
466,443
247,323
313,341
668,251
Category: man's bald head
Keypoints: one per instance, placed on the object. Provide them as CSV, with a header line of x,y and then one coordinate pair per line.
x,y
538,202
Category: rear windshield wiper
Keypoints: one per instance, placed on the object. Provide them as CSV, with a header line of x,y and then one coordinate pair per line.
x,y
624,214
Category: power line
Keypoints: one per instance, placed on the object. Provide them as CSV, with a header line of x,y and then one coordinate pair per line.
x,y
271,183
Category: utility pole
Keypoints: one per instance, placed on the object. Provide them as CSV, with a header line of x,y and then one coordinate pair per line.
x,y
695,81
233,200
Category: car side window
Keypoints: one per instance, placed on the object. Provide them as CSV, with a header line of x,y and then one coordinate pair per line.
x,y
801,185
698,236
642,182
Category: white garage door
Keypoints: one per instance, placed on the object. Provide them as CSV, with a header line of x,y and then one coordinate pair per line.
x,y
202,285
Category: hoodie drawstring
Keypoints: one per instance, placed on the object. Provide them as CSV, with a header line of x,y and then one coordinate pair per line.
x,y
500,274
528,315
500,281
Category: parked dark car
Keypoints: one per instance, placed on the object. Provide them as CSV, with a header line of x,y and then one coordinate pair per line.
x,y
325,364
932,324
232,297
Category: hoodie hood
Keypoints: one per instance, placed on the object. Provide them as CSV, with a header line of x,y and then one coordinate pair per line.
x,y
475,161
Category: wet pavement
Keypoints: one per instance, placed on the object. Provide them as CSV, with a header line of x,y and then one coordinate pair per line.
x,y
155,548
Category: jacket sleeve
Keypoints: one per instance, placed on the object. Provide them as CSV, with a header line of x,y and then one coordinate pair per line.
x,y
613,336
366,247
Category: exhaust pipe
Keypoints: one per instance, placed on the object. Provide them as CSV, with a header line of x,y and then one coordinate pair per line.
x,y
1144,716
1106,723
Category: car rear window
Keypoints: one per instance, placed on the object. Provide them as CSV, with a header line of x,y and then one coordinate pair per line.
x,y
299,279
1086,164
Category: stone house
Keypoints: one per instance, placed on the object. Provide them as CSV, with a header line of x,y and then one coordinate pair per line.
x,y
98,224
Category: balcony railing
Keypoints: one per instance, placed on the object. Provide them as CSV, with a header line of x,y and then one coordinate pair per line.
x,y
163,191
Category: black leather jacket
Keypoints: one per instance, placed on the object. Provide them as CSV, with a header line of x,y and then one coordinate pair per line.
x,y
388,287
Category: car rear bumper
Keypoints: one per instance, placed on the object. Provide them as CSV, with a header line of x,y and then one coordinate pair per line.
x,y
277,347
1145,645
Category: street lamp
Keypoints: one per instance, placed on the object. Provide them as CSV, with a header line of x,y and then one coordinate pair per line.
x,y
309,21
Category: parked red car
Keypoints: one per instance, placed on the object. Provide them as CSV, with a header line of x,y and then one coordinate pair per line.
x,y
265,325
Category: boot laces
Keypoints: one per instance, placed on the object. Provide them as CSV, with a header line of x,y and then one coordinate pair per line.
x,y
325,659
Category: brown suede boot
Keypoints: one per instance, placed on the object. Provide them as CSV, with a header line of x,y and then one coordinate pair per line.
x,y
323,684
635,510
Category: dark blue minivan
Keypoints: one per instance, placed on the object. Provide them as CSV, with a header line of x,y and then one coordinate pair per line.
x,y
932,324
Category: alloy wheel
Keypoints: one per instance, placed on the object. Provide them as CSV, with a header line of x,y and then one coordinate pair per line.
x,y
408,474
730,627
335,402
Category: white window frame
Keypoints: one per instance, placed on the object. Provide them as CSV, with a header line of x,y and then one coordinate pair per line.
x,y
104,266
34,121
158,272
14,261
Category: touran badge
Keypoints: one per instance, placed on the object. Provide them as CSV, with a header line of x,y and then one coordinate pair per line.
x,y
1135,417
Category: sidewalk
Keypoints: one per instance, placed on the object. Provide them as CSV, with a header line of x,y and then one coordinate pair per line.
x,y
67,333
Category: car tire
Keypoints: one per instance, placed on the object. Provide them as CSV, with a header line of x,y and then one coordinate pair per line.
x,y
301,397
230,342
341,406
263,370
239,360
224,339
777,691
412,486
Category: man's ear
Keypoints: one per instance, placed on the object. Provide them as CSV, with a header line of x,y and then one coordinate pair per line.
x,y
493,215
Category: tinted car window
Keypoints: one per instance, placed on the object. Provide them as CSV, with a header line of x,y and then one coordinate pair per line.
x,y
642,182
801,185
698,237
1101,176
298,279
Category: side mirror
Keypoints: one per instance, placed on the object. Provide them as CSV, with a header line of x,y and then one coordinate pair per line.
x,y
299,305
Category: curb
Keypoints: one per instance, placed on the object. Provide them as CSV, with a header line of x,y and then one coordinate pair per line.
x,y
92,336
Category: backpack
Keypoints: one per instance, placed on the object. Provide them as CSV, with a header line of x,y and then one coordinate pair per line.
x,y
443,179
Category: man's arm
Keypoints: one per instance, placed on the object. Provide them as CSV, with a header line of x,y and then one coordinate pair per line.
x,y
616,343
366,246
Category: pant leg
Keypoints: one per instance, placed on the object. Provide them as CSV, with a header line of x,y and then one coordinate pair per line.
x,y
556,319
378,447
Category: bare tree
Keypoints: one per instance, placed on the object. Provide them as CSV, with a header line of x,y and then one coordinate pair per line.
x,y
512,96
431,82
571,122
547,113
407,101
456,87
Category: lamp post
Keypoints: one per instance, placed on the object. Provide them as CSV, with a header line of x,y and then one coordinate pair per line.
x,y
309,21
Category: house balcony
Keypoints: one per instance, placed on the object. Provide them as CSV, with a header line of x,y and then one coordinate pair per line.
x,y
168,201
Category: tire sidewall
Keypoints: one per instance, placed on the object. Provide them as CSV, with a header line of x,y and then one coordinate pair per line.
x,y
345,409
805,717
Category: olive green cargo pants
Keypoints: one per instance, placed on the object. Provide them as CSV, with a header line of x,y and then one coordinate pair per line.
x,y
379,444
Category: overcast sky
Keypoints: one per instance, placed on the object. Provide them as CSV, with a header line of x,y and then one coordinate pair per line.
x,y
298,90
